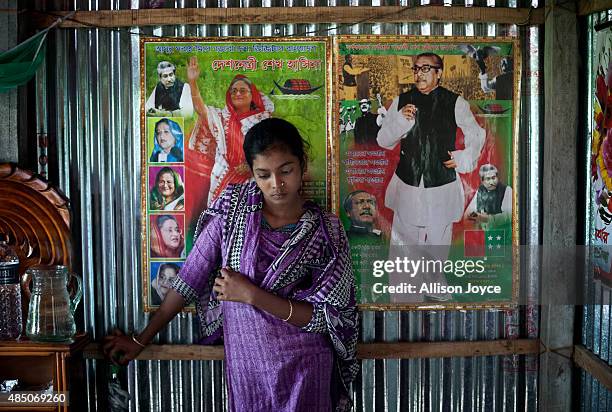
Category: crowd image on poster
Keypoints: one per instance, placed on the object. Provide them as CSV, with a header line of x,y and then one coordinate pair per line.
x,y
426,143
199,99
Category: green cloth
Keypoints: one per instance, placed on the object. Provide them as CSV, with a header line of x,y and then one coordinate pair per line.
x,y
19,65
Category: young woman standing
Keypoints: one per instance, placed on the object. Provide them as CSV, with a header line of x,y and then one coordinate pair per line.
x,y
283,300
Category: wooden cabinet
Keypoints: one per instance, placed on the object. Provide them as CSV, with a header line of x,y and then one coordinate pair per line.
x,y
36,364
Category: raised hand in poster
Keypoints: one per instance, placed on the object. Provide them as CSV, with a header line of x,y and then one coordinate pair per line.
x,y
245,107
350,75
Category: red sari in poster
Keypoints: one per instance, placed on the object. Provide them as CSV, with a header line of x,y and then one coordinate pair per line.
x,y
214,157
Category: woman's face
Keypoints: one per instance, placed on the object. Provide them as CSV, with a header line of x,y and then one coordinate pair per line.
x,y
171,234
166,277
165,184
165,138
240,93
279,176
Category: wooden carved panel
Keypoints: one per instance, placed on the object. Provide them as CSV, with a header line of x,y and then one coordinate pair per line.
x,y
35,216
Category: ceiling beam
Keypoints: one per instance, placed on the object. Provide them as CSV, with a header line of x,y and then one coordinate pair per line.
x,y
289,15
586,7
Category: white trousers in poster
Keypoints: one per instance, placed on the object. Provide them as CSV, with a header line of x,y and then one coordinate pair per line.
x,y
420,243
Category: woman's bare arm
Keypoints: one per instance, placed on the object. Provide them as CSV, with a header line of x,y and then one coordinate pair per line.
x,y
193,74
121,349
301,312
236,287
171,305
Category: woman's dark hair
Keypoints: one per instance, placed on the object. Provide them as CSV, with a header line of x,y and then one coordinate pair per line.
x,y
174,127
165,266
163,219
164,120
273,133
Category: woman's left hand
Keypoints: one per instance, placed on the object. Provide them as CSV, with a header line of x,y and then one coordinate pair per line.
x,y
234,286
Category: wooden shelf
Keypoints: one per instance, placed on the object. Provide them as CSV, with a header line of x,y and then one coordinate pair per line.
x,y
36,364
24,345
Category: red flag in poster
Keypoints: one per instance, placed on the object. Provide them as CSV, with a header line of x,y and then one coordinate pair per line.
x,y
474,243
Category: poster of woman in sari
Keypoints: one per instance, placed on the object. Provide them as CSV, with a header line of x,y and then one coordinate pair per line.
x,y
165,140
216,90
426,162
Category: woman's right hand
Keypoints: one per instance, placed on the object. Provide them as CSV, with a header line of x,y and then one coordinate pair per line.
x,y
193,74
121,348
193,69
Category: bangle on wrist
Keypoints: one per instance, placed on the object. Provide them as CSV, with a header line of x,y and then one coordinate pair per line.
x,y
290,311
137,342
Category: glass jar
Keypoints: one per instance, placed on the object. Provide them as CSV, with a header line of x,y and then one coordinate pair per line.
x,y
51,310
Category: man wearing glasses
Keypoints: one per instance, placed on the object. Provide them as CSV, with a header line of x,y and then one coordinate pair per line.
x,y
426,193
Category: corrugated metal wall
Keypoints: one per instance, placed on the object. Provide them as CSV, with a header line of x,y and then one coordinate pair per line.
x,y
93,113
8,100
597,318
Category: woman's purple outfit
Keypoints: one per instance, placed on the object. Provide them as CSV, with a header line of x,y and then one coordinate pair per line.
x,y
272,365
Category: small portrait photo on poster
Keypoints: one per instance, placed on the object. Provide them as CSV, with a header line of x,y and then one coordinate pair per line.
x,y
166,188
165,140
361,208
492,203
170,97
162,276
167,239
367,125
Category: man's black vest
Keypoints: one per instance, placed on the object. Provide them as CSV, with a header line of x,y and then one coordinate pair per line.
x,y
426,146
168,99
490,202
